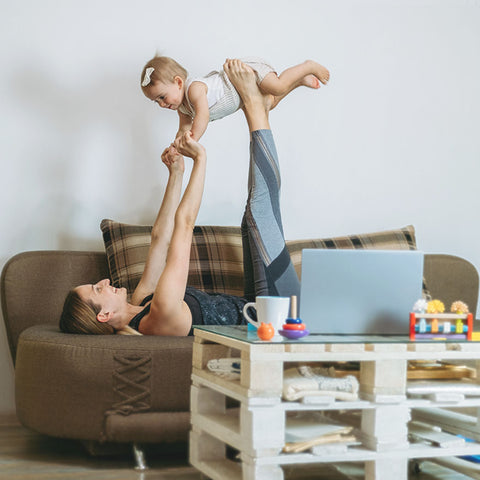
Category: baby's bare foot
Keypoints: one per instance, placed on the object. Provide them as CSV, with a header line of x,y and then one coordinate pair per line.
x,y
319,72
310,81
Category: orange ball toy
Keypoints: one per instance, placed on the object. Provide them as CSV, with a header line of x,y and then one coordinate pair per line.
x,y
265,331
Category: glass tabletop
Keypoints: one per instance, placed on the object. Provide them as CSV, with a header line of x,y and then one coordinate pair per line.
x,y
242,333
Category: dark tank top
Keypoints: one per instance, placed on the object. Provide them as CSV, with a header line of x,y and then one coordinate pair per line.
x,y
206,309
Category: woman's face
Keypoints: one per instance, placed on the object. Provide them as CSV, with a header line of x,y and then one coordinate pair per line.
x,y
110,299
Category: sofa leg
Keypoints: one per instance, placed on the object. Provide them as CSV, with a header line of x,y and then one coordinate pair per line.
x,y
139,458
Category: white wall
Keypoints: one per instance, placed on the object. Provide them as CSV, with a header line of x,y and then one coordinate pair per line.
x,y
392,140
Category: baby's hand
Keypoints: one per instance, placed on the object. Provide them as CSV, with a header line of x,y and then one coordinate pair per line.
x,y
186,145
173,160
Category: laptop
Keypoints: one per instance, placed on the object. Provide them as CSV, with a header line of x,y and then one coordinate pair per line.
x,y
359,292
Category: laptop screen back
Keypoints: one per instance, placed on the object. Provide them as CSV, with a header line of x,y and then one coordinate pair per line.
x,y
359,291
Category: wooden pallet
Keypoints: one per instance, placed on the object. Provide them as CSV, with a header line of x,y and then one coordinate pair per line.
x,y
255,424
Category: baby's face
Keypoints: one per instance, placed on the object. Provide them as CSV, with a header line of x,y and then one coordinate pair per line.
x,y
167,95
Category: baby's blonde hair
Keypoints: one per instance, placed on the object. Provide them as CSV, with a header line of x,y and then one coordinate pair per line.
x,y
165,69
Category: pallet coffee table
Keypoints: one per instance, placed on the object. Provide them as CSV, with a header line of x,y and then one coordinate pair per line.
x,y
249,414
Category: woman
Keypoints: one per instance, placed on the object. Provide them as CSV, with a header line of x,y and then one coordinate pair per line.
x,y
162,304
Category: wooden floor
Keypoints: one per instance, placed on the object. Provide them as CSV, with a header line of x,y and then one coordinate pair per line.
x,y
25,455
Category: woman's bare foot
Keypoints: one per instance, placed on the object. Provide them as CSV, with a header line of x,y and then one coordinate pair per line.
x,y
256,105
243,79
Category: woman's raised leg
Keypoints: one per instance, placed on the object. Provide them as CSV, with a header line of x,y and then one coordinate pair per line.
x,y
267,263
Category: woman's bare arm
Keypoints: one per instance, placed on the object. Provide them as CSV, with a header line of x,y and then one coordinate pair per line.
x,y
169,315
162,228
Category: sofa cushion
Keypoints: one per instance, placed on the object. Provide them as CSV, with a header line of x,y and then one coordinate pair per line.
x,y
216,262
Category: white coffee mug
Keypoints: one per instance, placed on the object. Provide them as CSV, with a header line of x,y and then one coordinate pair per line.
x,y
272,310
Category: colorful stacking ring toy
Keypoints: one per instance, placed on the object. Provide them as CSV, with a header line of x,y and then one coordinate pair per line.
x,y
293,328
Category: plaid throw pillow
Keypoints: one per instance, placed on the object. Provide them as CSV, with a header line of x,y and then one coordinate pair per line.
x,y
216,261
401,239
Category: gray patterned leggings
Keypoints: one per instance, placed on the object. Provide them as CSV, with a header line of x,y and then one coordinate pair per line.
x,y
268,269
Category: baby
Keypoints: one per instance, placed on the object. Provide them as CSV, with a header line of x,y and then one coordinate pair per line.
x,y
204,99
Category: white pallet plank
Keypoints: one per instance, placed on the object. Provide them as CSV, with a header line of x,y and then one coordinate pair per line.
x,y
386,347
432,354
388,468
219,470
236,389
447,397
477,369
470,469
207,381
387,421
436,347
371,404
470,347
428,403
345,347
262,430
206,401
266,351
297,406
434,435
453,422
203,336
262,375
399,442
203,352
362,454
264,426
383,377
382,399
305,348
253,470
419,450
231,388
204,447
225,428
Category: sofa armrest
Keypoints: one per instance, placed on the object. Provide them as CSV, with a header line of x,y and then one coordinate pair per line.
x,y
34,286
450,278
72,385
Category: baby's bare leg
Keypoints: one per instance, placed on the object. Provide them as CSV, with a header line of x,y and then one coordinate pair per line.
x,y
308,74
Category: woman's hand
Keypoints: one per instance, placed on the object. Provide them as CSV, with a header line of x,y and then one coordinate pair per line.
x,y
173,160
187,146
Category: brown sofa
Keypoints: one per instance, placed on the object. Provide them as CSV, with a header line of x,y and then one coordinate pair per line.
x,y
126,389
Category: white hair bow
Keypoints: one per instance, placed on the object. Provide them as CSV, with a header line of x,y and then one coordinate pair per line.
x,y
146,78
